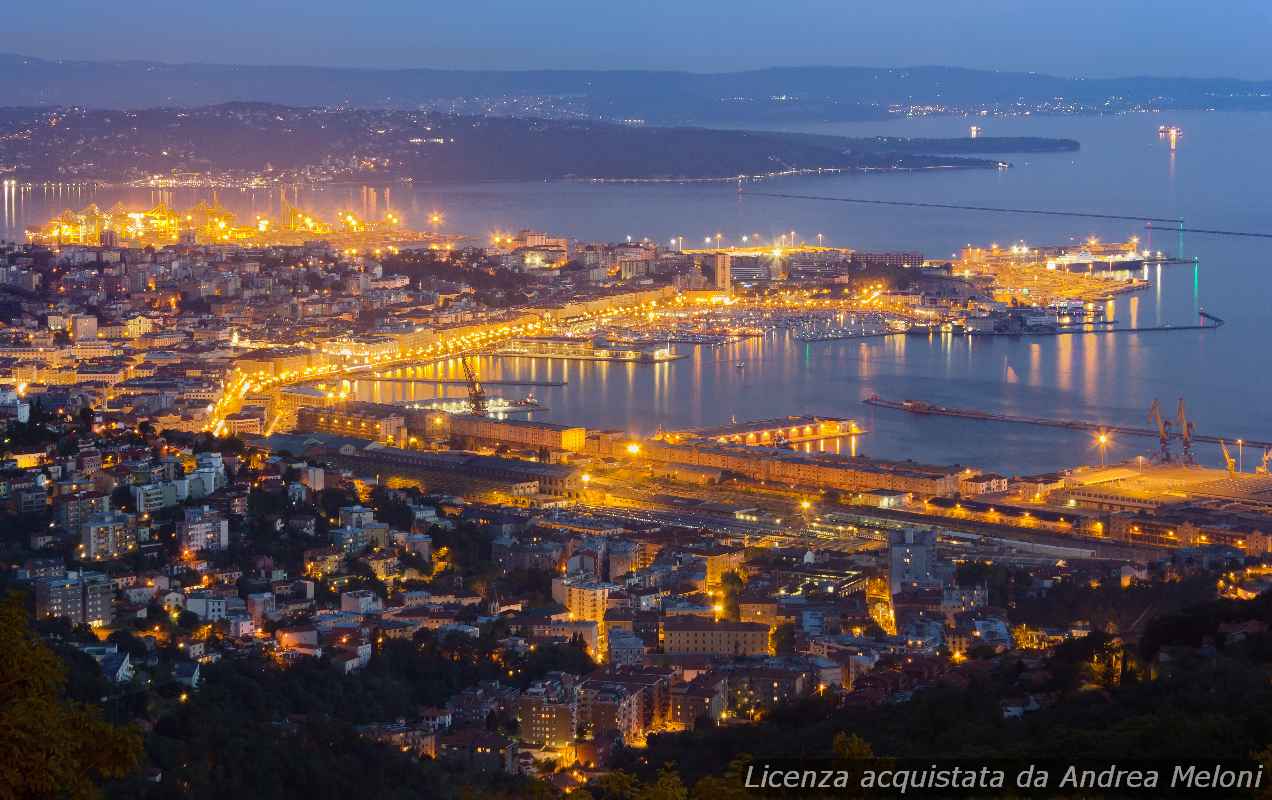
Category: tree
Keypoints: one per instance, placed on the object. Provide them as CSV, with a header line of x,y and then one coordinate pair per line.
x,y
617,785
729,786
667,786
851,747
731,587
784,639
52,746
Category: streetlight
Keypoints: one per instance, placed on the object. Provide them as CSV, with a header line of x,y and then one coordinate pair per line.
x,y
1103,441
1241,455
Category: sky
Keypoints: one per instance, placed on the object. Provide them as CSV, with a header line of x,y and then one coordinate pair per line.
x,y
1098,38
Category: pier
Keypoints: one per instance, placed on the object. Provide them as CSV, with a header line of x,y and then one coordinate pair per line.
x,y
1208,322
930,409
770,431
462,382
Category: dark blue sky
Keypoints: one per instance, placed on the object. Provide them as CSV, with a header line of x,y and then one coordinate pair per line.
x,y
1079,37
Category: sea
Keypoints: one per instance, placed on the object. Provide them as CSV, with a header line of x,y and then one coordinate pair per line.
x,y
1216,178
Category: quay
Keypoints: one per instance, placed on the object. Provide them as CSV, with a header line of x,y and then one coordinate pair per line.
x,y
1072,331
929,409
1208,322
463,382
575,349
769,431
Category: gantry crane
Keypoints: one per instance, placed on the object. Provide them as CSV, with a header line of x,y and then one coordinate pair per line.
x,y
1185,432
1163,430
476,394
1228,460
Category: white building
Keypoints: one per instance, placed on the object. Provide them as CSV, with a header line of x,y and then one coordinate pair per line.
x,y
911,559
203,529
107,535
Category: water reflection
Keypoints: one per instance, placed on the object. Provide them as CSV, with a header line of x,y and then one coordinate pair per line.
x,y
1113,378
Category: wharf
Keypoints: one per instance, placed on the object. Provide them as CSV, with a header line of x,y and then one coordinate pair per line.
x,y
922,408
581,357
769,431
1209,322
462,382
837,337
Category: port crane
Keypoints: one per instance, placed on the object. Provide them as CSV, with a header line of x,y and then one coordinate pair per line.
x,y
1185,427
1163,430
476,394
1228,460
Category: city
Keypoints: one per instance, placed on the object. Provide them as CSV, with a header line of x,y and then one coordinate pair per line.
x,y
311,485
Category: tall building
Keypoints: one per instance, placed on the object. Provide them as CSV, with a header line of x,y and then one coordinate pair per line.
x,y
548,712
203,528
356,517
83,327
723,264
721,560
106,535
911,559
586,600
83,598
864,260
611,708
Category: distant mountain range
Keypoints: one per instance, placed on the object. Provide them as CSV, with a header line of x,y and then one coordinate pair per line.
x,y
767,95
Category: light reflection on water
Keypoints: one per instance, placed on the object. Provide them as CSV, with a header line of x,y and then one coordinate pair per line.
x,y
1225,375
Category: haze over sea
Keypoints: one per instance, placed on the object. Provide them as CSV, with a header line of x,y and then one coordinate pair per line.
x,y
1216,179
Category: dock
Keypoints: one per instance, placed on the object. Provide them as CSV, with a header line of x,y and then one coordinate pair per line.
x,y
1207,322
771,431
929,409
462,382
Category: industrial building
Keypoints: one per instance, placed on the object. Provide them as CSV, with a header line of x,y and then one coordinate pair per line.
x,y
474,431
828,470
554,479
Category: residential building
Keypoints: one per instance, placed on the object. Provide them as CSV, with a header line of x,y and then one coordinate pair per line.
x,y
911,559
702,635
107,535
82,598
548,712
203,528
